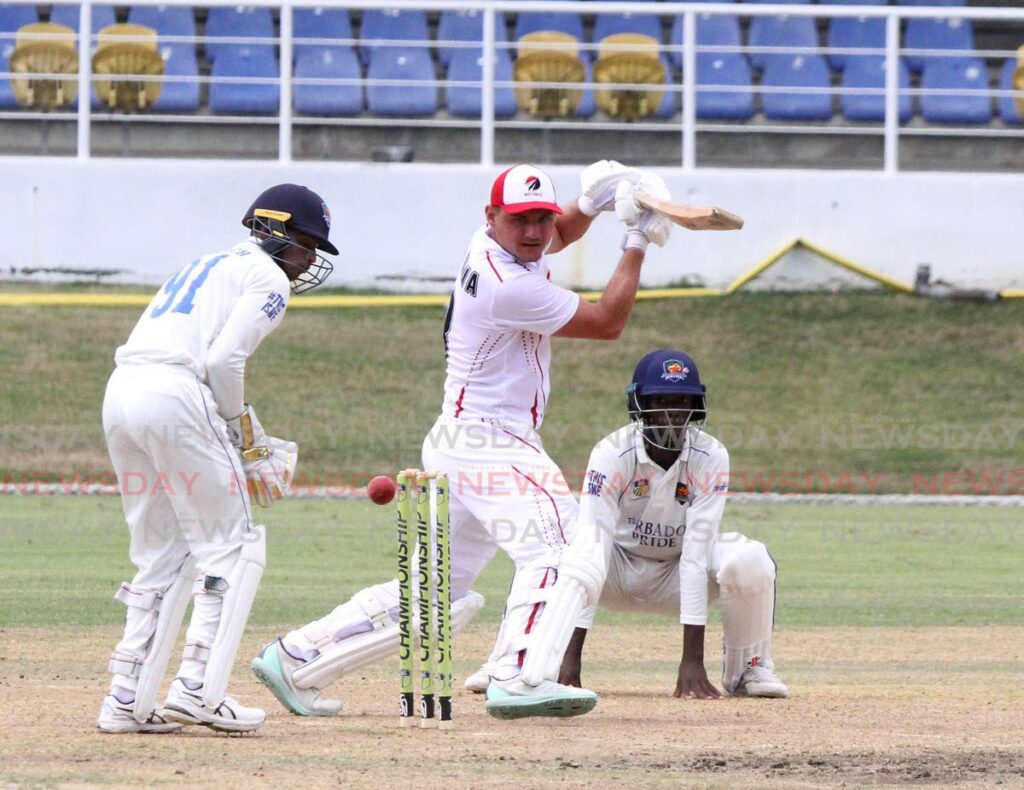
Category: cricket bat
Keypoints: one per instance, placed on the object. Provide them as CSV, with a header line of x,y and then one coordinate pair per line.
x,y
692,217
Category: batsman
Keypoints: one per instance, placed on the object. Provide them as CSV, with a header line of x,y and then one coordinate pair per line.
x,y
648,540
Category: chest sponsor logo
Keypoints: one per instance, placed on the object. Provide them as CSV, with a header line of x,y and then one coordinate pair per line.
x,y
274,305
595,482
657,535
641,488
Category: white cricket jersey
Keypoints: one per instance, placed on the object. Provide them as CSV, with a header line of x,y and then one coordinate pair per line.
x,y
671,514
498,335
209,317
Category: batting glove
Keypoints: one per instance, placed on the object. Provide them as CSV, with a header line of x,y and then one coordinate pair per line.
x,y
642,225
598,183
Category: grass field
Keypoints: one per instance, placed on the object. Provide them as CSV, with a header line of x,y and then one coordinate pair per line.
x,y
851,392
899,631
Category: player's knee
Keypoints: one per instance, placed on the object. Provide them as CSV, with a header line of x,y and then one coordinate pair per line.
x,y
748,567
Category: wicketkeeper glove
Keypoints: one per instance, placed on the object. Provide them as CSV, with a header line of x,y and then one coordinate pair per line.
x,y
598,183
269,470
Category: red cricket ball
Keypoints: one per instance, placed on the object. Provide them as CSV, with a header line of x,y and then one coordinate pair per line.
x,y
381,489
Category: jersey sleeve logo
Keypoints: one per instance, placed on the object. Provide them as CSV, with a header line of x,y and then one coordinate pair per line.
x,y
274,305
595,482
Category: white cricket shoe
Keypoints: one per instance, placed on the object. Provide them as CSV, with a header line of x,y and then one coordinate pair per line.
x,y
274,667
117,717
479,680
759,681
514,699
186,706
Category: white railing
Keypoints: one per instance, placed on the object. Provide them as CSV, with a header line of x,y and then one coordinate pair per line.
x,y
688,126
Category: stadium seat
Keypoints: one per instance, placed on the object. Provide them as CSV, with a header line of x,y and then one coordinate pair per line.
x,y
391,24
779,31
540,21
551,57
729,69
237,22
869,72
1009,106
804,71
670,102
612,24
179,97
968,74
411,64
633,59
67,14
324,23
127,50
861,32
166,20
327,63
466,26
12,17
942,33
713,30
57,55
465,101
587,107
262,98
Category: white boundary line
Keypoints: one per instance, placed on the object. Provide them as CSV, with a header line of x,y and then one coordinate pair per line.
x,y
327,493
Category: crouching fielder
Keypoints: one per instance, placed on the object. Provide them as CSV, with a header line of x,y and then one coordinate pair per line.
x,y
648,541
191,458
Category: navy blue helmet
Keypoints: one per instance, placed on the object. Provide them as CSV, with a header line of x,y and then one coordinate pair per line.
x,y
666,372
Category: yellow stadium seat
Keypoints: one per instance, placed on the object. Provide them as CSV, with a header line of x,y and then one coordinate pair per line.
x,y
551,57
127,50
629,59
48,50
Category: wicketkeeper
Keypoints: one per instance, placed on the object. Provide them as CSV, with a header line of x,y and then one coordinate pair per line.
x,y
648,540
191,457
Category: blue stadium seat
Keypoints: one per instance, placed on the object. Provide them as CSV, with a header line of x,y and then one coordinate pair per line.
x,y
952,74
724,69
588,104
466,26
805,71
166,20
671,100
7,100
779,31
534,21
179,97
713,30
409,64
402,26
321,22
869,72
1007,107
861,32
238,22
67,14
326,62
936,33
14,16
466,65
611,24
245,99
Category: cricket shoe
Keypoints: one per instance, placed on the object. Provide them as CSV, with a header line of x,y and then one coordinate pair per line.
x,y
759,681
514,699
186,705
274,667
117,717
479,680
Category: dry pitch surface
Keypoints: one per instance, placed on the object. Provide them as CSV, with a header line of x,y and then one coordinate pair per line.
x,y
927,707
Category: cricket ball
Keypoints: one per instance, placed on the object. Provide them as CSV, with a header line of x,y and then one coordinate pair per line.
x,y
381,489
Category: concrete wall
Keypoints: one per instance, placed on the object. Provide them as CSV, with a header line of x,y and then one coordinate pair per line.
x,y
145,218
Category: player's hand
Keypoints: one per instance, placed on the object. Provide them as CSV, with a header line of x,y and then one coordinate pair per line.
x,y
245,430
269,470
598,183
642,225
693,681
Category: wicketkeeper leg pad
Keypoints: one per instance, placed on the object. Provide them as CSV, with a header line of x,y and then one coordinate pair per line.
x,y
238,594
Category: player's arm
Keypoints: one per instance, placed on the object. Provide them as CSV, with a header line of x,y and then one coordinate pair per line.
x,y
598,185
708,480
256,314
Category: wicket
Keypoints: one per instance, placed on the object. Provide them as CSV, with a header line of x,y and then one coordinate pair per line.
x,y
432,543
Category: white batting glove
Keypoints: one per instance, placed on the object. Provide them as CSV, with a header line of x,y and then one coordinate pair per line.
x,y
598,183
642,225
269,470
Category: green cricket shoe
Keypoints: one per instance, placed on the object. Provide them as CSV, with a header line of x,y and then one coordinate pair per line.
x,y
274,666
514,699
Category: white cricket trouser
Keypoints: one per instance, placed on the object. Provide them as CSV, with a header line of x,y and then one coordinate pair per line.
x,y
179,478
504,491
741,578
